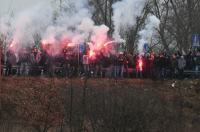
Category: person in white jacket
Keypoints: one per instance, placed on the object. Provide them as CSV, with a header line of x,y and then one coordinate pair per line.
x,y
181,66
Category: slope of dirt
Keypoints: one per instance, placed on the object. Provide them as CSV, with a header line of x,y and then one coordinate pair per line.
x,y
54,104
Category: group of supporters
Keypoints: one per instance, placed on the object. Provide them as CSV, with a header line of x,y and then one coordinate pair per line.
x,y
34,62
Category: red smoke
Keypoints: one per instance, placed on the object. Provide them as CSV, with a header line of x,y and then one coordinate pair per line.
x,y
92,54
140,64
12,45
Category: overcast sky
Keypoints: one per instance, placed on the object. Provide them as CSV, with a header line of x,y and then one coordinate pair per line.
x,y
7,6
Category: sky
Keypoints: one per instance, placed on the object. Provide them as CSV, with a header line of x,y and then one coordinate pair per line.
x,y
7,6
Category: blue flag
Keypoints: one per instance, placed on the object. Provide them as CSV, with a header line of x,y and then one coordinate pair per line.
x,y
195,40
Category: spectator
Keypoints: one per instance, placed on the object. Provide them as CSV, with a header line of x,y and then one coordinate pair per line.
x,y
11,61
181,66
162,65
174,66
24,59
86,64
121,65
139,66
190,64
125,64
35,58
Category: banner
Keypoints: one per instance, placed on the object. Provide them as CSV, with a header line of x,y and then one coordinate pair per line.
x,y
146,47
195,40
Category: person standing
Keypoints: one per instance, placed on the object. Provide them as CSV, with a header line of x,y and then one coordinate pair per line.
x,y
116,65
11,61
162,64
121,65
35,58
23,62
197,62
181,66
174,66
86,64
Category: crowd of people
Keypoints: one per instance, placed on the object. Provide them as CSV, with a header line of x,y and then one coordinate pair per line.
x,y
35,62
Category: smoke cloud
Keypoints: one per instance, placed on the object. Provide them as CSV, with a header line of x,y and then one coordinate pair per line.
x,y
125,14
72,22
152,23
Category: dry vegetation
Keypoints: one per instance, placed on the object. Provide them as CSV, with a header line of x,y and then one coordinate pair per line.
x,y
98,105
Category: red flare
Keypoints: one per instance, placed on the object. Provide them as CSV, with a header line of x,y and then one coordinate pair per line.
x,y
12,44
91,53
70,44
44,42
140,64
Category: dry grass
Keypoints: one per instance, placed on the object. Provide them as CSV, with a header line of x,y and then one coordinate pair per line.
x,y
145,104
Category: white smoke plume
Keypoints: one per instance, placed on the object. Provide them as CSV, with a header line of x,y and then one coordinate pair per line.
x,y
72,22
152,23
125,14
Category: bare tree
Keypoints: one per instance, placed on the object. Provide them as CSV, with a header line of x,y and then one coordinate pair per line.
x,y
184,19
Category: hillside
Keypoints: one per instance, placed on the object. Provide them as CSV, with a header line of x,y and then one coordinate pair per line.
x,y
97,105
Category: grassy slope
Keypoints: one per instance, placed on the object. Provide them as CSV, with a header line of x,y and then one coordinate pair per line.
x,y
157,104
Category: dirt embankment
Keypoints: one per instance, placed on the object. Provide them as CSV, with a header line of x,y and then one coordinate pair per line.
x,y
109,105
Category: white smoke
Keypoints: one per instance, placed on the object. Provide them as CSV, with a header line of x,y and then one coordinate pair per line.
x,y
5,30
125,15
99,36
73,21
152,23
23,26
